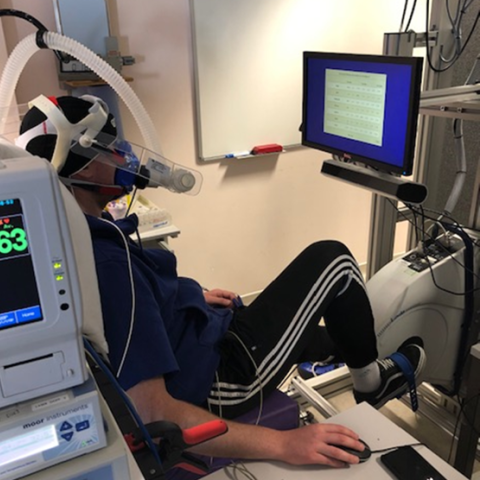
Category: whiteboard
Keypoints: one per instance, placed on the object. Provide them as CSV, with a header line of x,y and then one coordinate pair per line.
x,y
248,62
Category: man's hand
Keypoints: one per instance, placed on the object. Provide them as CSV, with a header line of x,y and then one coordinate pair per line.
x,y
223,298
316,444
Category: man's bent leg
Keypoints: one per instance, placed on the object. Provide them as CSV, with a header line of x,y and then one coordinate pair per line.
x,y
271,335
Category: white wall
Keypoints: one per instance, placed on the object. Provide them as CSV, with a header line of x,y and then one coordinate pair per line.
x,y
252,216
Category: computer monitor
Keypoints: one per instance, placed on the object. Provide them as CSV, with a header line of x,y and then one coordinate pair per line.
x,y
362,107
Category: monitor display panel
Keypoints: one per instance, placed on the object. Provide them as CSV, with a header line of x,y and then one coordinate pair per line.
x,y
19,298
362,107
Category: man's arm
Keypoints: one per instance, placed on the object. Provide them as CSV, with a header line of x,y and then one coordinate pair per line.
x,y
313,444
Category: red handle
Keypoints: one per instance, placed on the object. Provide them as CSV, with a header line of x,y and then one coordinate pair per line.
x,y
191,468
204,432
130,440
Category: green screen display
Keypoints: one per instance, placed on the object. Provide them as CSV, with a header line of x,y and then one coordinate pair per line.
x,y
19,299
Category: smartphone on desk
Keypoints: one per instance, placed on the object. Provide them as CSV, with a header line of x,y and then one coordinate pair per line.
x,y
407,464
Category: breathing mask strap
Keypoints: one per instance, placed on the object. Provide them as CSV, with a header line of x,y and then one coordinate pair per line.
x,y
62,126
92,124
113,190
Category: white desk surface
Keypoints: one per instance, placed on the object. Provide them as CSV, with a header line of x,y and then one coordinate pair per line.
x,y
160,232
375,429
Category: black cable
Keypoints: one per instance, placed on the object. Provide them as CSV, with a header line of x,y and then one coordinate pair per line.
x,y
471,33
10,12
405,6
470,422
418,444
456,57
454,433
415,226
411,15
453,21
442,247
456,26
469,304
432,238
127,213
424,232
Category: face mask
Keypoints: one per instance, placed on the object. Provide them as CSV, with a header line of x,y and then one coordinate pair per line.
x,y
126,174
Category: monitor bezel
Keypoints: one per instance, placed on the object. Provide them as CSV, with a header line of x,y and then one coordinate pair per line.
x,y
412,116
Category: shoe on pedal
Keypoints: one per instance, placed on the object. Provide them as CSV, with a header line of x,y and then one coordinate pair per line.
x,y
399,373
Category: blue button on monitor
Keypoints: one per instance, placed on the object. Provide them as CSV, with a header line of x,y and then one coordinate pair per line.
x,y
82,425
7,319
29,314
65,426
67,436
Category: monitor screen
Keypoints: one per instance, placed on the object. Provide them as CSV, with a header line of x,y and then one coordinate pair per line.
x,y
19,299
362,107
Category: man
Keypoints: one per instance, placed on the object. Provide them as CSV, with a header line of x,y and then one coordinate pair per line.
x,y
186,355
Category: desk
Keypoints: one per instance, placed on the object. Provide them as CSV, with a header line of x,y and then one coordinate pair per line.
x,y
157,237
375,429
160,233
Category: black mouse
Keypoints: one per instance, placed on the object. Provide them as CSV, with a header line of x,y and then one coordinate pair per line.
x,y
362,456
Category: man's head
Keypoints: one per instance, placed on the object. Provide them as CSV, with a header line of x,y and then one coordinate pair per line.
x,y
78,136
40,134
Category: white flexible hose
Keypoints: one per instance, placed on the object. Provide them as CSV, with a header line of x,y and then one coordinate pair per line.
x,y
13,68
461,168
27,47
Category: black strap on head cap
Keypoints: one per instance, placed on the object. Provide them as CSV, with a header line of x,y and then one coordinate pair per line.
x,y
74,109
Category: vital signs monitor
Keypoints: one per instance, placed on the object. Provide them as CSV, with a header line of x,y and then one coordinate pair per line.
x,y
40,300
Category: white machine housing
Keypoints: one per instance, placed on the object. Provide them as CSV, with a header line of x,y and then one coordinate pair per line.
x,y
49,430
45,356
406,303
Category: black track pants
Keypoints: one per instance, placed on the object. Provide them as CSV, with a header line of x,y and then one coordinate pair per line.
x,y
281,327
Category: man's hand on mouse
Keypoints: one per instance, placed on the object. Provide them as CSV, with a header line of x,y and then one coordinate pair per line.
x,y
317,444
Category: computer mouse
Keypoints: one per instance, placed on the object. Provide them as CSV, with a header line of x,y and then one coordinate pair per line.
x,y
362,456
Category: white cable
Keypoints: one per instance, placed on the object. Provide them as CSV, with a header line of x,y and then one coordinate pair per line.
x,y
461,167
132,285
220,413
239,467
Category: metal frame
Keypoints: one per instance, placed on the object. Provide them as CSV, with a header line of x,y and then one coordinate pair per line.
x,y
383,216
312,397
438,100
470,424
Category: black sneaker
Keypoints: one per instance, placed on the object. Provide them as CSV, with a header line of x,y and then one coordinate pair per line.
x,y
394,383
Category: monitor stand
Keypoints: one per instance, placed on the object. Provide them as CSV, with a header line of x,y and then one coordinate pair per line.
x,y
378,182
